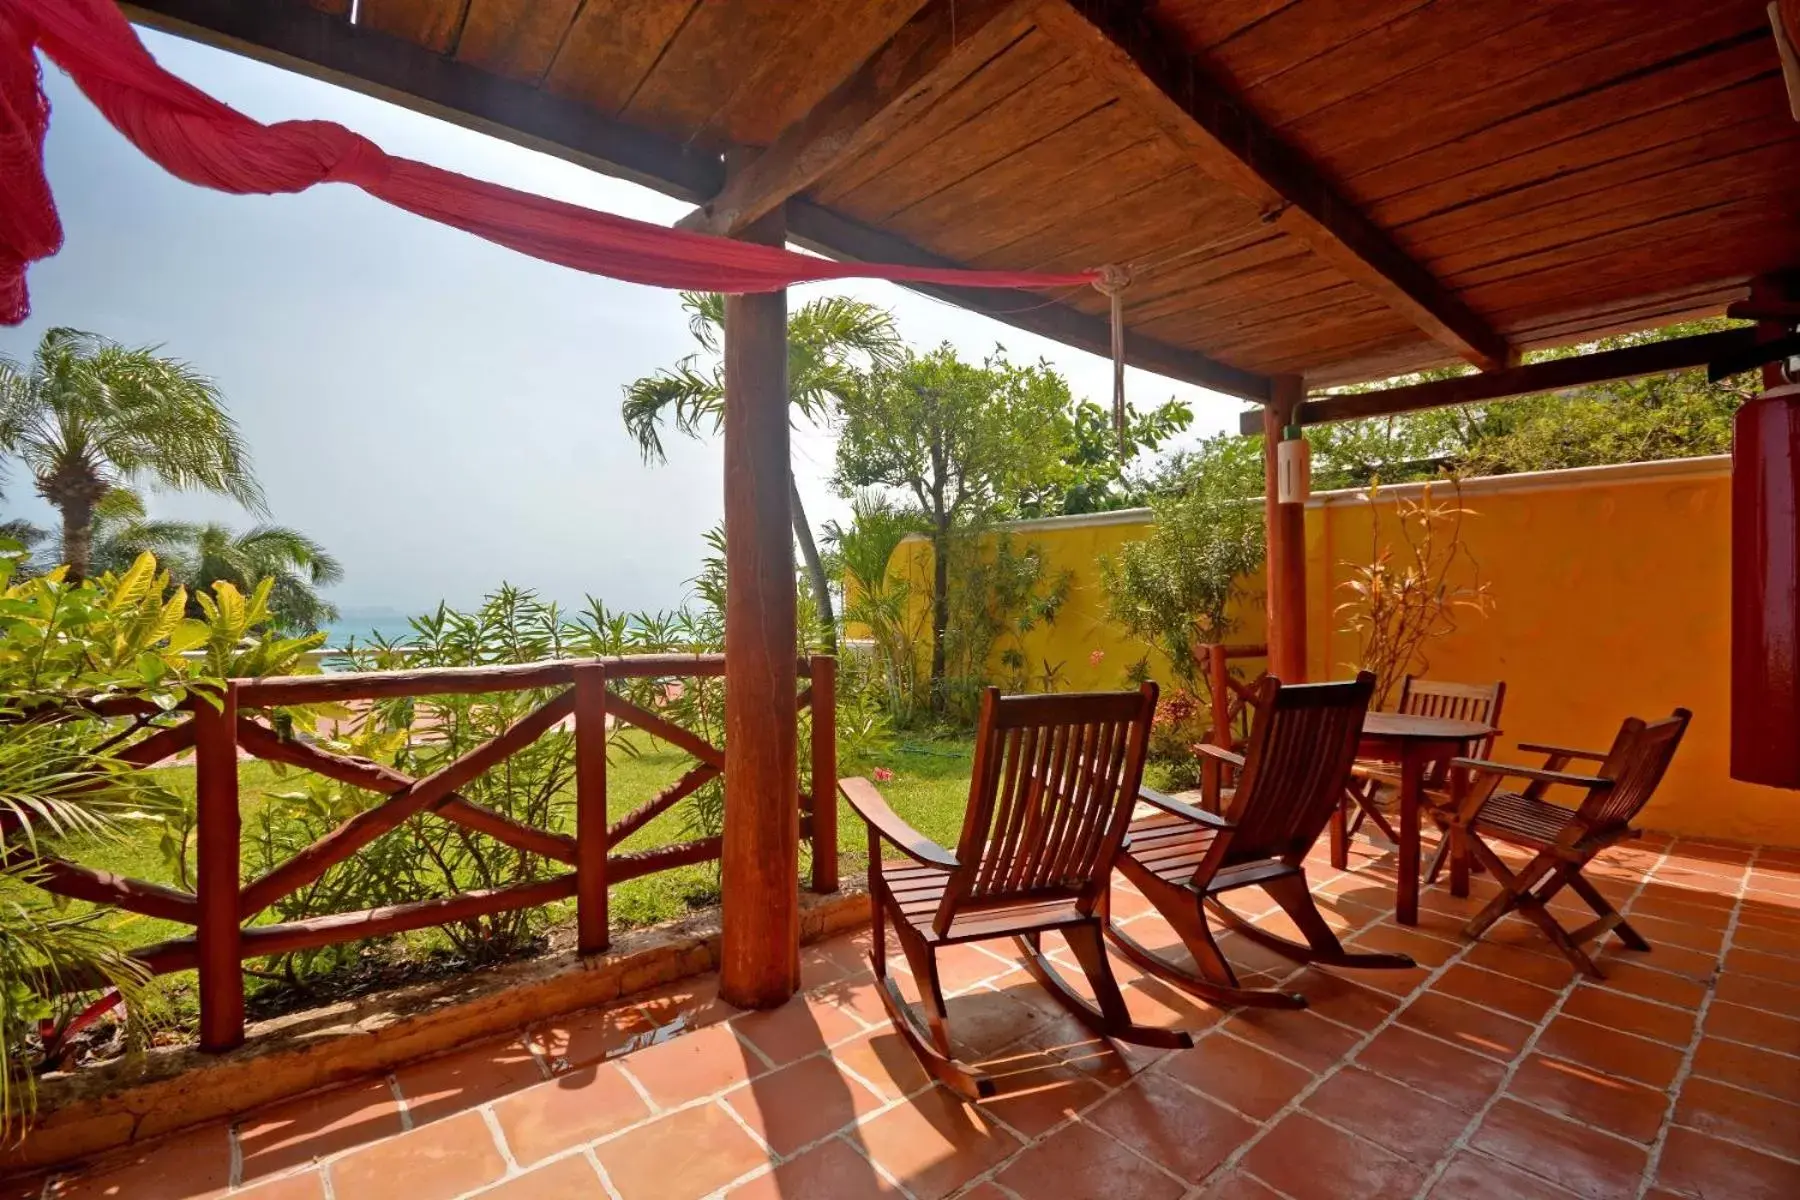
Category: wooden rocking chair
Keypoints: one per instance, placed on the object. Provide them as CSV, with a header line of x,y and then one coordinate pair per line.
x,y
1419,697
1564,839
1290,780
1055,780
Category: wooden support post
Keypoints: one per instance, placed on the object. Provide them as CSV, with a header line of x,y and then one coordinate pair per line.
x,y
1286,526
824,774
759,957
591,916
216,873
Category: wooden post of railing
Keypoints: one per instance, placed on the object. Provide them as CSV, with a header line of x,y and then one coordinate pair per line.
x,y
216,871
591,916
824,774
1218,679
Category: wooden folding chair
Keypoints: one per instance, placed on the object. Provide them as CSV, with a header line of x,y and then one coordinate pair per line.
x,y
1419,697
1055,780
1290,779
1564,840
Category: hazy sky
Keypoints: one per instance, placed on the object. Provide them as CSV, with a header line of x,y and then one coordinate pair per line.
x,y
441,413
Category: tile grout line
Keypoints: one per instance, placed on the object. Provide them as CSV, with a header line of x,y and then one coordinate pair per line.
x,y
606,1182
1653,1163
492,1121
1463,1139
1215,1029
401,1107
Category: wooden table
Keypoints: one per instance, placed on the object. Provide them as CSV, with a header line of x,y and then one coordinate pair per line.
x,y
1416,744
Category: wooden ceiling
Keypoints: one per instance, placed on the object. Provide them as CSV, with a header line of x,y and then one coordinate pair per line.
x,y
1342,189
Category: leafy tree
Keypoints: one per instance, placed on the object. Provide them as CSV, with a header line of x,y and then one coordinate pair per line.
x,y
1097,470
830,342
200,554
87,415
1173,587
959,439
1632,420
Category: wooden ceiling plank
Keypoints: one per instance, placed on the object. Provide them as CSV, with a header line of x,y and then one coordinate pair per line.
x,y
1231,143
1043,105
433,24
1241,295
1702,250
1582,324
790,81
1069,191
1409,48
609,50
881,168
720,43
1645,111
515,38
1567,50
933,52
1599,177
297,37
1166,217
1626,251
1572,224
1608,366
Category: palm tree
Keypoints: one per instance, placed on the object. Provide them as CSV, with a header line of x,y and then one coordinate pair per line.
x,y
87,415
199,555
830,341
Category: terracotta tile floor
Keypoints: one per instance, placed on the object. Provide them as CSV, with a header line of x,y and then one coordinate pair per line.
x,y
1490,1071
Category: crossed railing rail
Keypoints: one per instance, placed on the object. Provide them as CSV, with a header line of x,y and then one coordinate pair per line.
x,y
222,903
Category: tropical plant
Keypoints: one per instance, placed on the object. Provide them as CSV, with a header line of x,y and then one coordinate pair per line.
x,y
87,415
830,342
875,599
959,439
1413,589
202,554
1174,588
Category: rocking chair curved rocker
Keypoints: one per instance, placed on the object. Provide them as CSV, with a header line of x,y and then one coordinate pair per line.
x,y
1054,783
1290,781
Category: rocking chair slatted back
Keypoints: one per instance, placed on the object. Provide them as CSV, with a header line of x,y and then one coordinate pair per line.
x,y
1301,746
1054,784
1639,757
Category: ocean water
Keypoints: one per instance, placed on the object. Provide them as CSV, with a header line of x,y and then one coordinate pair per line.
x,y
392,628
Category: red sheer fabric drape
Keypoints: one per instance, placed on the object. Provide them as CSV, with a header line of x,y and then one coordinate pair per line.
x,y
205,142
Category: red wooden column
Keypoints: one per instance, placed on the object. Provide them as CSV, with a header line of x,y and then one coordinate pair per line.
x,y
591,915
760,954
1286,527
216,872
1765,570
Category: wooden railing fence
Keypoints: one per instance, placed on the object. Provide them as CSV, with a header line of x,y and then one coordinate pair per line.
x,y
222,903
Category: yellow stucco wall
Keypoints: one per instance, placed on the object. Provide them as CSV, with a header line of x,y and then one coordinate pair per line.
x,y
1610,588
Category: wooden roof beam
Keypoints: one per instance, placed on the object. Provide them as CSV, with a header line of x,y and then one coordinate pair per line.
x,y
1552,375
293,35
1122,44
944,43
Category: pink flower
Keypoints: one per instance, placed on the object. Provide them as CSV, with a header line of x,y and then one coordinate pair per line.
x,y
1095,657
883,775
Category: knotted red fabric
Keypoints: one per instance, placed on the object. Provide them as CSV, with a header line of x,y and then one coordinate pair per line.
x,y
199,139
